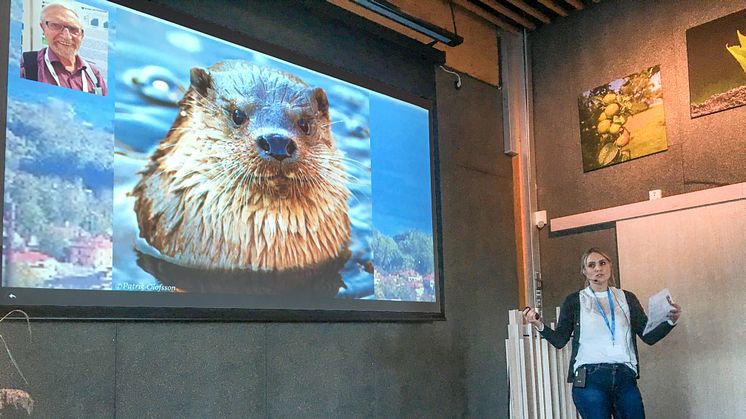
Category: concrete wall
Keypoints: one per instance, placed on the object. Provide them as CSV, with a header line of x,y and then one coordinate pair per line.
x,y
605,42
452,368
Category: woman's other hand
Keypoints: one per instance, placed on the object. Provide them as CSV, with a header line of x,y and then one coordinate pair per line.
x,y
675,312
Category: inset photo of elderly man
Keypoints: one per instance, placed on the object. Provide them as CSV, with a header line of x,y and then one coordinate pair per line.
x,y
56,38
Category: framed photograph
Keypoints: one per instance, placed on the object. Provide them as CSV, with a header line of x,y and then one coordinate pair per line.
x,y
71,33
622,120
716,54
156,170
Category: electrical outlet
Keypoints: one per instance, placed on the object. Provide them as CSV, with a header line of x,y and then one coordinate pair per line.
x,y
655,194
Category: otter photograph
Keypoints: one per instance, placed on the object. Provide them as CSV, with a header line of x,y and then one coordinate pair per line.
x,y
216,169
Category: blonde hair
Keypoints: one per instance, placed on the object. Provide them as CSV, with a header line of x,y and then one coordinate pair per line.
x,y
584,259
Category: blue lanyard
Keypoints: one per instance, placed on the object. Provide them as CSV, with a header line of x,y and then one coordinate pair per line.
x,y
611,308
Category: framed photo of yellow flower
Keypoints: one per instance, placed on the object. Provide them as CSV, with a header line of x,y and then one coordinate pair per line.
x,y
716,53
622,120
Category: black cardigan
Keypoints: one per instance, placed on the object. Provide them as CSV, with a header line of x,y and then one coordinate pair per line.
x,y
569,325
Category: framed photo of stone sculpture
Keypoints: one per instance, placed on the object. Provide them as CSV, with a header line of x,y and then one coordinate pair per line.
x,y
622,120
716,53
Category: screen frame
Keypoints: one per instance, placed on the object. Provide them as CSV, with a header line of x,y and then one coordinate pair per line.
x,y
60,304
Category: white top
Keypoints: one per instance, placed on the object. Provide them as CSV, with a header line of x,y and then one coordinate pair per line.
x,y
596,346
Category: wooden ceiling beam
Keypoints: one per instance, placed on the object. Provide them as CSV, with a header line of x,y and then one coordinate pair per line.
x,y
530,10
554,7
578,5
499,8
488,16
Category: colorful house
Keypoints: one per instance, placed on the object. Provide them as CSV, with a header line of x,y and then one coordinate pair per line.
x,y
95,252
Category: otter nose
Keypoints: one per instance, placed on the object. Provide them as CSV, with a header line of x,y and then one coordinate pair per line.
x,y
277,146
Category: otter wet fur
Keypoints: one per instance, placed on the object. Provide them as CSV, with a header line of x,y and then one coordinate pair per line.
x,y
249,176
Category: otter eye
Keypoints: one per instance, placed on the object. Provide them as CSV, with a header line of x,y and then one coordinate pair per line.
x,y
239,117
304,126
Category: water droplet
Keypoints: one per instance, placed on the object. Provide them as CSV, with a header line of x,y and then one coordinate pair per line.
x,y
158,84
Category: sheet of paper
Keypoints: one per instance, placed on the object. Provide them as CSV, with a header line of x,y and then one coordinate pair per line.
x,y
658,308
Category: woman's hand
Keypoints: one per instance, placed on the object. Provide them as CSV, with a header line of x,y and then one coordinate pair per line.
x,y
675,312
531,316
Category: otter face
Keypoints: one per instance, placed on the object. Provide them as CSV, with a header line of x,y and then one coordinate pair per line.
x,y
249,175
269,121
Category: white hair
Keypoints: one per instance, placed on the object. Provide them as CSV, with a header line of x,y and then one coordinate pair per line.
x,y
54,6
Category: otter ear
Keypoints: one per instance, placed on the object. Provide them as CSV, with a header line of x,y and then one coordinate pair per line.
x,y
201,80
318,96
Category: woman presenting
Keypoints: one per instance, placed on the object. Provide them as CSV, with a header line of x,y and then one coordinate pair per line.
x,y
603,321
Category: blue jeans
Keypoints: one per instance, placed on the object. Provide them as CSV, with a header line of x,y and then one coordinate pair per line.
x,y
609,388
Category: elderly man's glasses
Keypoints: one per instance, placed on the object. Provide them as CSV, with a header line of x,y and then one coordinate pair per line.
x,y
58,27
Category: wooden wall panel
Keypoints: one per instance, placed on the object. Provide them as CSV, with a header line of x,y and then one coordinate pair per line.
x,y
700,255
